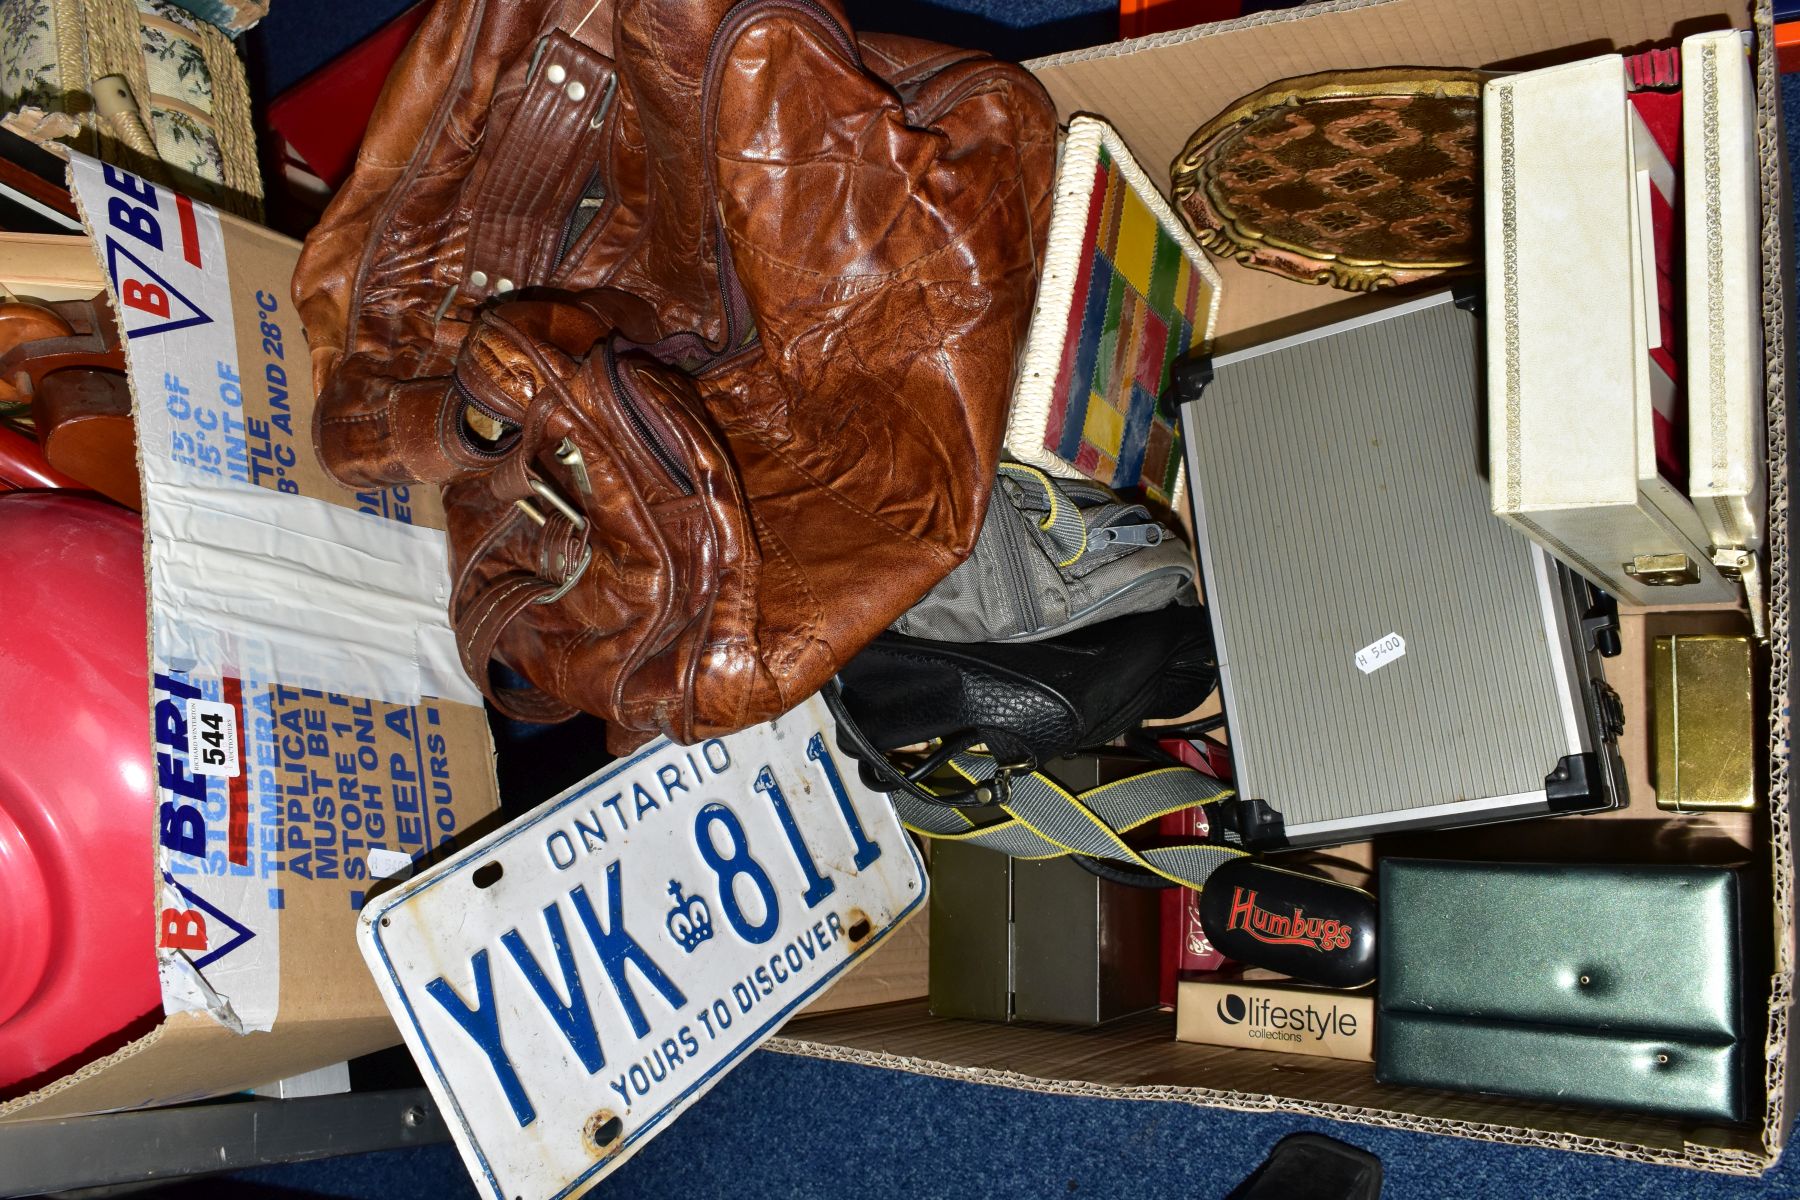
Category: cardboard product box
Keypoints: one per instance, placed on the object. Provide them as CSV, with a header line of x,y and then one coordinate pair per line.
x,y
1262,1011
309,726
1156,91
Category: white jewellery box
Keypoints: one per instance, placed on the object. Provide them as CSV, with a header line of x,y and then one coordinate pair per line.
x,y
1572,180
1723,235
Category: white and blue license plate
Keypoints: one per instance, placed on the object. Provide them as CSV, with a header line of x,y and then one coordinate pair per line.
x,y
573,981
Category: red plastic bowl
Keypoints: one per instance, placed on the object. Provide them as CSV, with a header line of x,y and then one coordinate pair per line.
x,y
77,931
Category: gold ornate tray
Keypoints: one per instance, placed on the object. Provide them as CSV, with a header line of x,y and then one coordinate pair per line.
x,y
1357,179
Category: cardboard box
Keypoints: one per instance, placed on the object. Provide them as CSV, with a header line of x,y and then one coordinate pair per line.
x,y
299,624
896,970
1258,1014
1155,92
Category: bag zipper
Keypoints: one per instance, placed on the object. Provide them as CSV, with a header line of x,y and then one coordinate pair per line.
x,y
1125,535
641,425
593,196
593,193
568,455
469,400
739,14
1020,574
1127,525
738,326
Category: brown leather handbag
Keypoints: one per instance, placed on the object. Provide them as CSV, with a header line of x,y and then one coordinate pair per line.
x,y
705,315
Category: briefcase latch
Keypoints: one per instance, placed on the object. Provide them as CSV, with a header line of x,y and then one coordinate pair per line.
x,y
1740,566
1663,570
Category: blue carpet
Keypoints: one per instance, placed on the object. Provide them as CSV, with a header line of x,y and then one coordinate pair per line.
x,y
791,1127
811,1130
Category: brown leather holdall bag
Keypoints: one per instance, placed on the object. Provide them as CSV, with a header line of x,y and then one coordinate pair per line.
x,y
706,316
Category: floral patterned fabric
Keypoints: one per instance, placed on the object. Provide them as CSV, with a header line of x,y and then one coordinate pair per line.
x,y
180,100
181,91
172,52
28,72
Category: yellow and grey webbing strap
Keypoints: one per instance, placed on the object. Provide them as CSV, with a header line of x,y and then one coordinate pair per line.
x,y
1045,820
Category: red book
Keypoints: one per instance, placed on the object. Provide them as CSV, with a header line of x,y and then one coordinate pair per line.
x,y
324,115
1185,950
1168,967
1140,17
1655,95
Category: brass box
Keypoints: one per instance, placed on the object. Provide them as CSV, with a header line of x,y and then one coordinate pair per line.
x,y
1703,733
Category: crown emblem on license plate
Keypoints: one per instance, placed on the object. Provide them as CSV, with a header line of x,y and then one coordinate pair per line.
x,y
690,921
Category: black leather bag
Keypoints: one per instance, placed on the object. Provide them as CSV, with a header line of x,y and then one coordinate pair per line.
x,y
1028,702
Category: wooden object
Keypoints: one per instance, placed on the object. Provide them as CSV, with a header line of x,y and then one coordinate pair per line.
x,y
83,419
38,339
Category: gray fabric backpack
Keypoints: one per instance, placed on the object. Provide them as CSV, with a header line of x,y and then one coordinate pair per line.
x,y
1053,555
